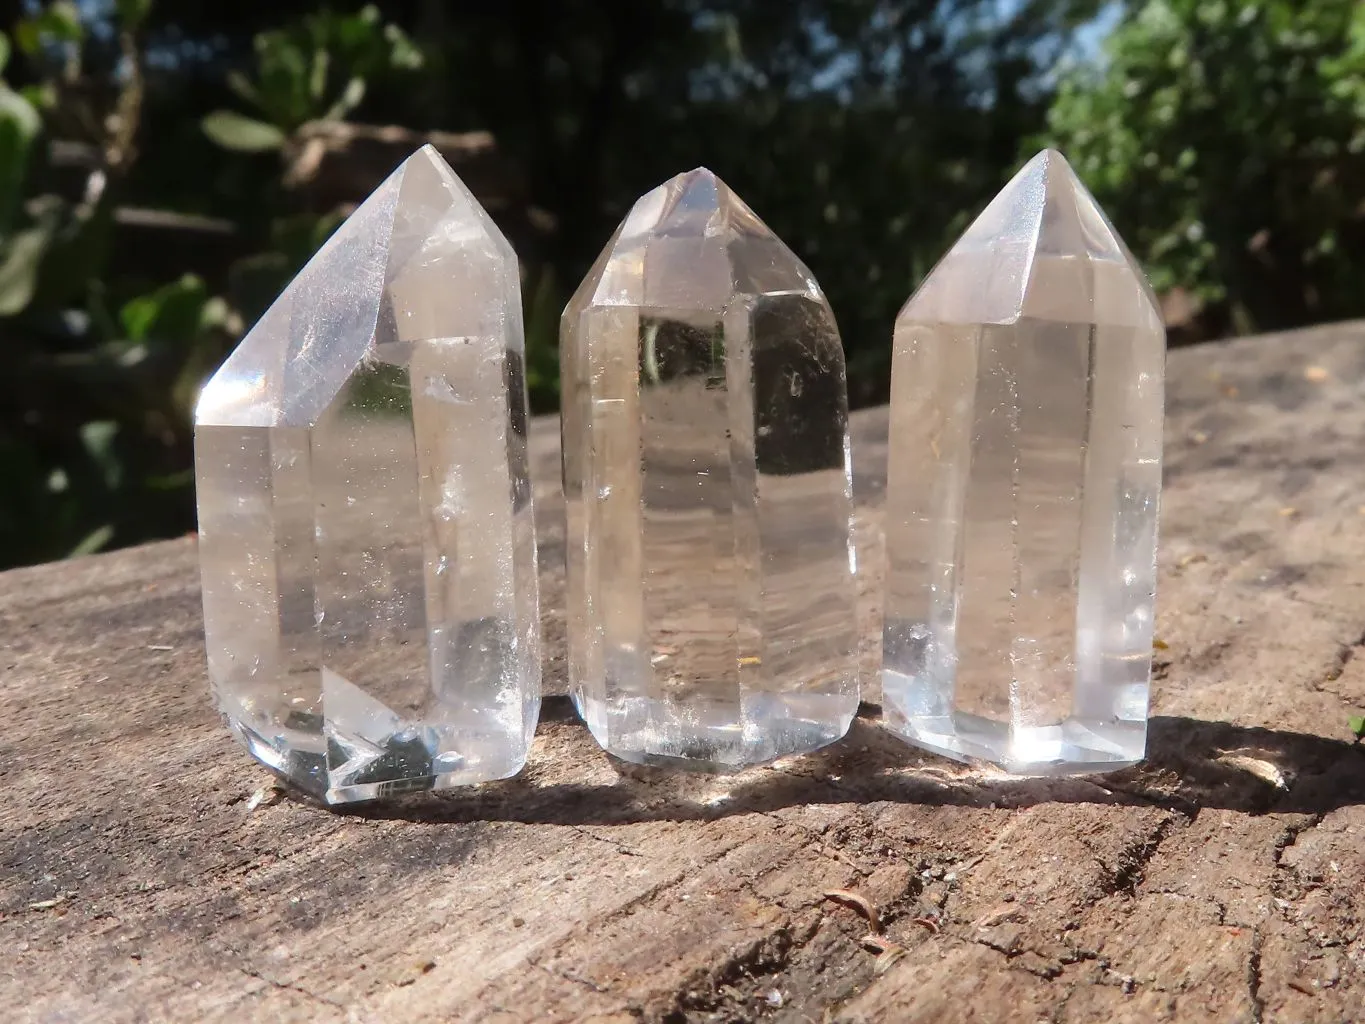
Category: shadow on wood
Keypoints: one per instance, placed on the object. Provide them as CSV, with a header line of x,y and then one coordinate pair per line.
x,y
1192,764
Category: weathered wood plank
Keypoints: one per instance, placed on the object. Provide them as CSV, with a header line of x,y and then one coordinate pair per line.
x,y
139,883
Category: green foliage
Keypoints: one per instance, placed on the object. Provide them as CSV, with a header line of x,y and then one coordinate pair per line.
x,y
98,449
140,236
19,126
865,132
544,304
21,256
232,130
315,71
132,13
1227,142
22,245
105,364
1357,726
56,24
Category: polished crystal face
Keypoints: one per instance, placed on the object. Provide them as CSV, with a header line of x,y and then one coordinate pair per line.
x,y
1024,476
705,438
365,527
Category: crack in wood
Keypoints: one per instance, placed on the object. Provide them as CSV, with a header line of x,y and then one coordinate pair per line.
x,y
817,842
616,844
1133,859
1291,835
763,959
287,986
571,976
1254,977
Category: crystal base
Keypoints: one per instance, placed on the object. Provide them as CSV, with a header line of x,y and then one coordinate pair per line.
x,y
1075,746
721,740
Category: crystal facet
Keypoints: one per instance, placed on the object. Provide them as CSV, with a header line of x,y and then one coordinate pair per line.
x,y
706,473
1024,476
365,526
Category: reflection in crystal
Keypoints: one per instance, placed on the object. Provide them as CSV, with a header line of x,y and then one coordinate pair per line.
x,y
711,600
366,540
1024,476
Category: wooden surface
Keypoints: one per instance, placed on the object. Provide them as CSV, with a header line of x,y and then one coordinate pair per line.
x,y
148,871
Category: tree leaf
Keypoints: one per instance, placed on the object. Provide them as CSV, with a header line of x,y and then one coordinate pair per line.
x,y
27,37
21,256
174,314
243,87
97,438
282,73
62,20
39,95
137,317
350,99
241,133
1357,726
4,52
19,126
93,542
59,22
317,78
404,54
133,12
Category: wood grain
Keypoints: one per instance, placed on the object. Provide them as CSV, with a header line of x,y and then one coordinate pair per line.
x,y
149,873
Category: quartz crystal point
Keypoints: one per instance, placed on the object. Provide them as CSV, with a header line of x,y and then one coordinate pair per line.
x,y
711,598
1024,476
366,538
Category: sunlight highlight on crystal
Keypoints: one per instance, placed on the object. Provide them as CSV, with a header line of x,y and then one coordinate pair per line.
x,y
711,602
1023,484
366,536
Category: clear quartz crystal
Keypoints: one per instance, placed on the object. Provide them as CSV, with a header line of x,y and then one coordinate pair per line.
x,y
710,565
365,526
1024,477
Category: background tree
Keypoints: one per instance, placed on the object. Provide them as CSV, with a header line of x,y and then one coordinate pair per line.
x,y
1227,141
165,167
